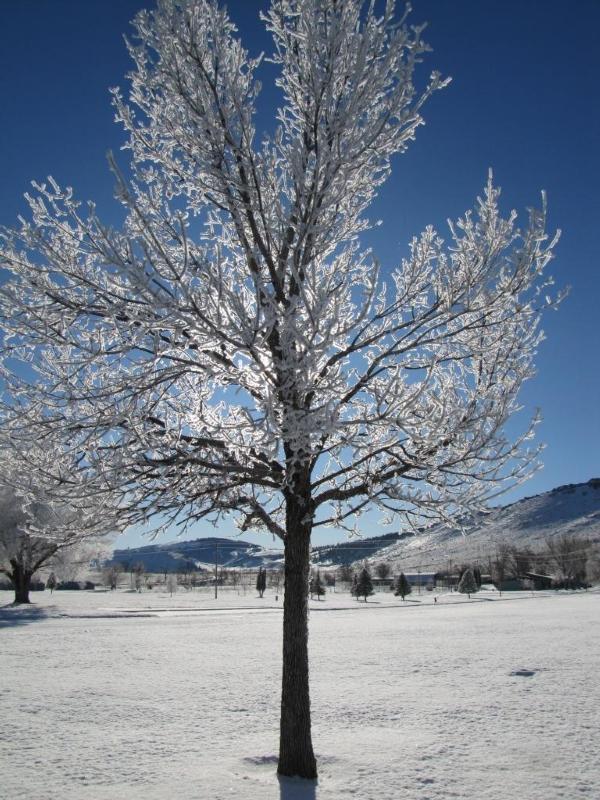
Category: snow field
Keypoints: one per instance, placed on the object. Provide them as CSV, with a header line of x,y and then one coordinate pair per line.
x,y
416,701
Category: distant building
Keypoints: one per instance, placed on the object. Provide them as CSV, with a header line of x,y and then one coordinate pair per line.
x,y
382,583
512,585
526,582
446,580
425,579
539,581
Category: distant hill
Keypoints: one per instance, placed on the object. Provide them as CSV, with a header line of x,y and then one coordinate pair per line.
x,y
180,556
574,508
354,549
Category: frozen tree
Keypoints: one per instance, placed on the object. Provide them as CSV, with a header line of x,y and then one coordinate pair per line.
x,y
568,555
467,584
501,566
276,576
401,586
138,570
231,349
171,583
524,560
593,565
382,570
35,532
73,563
110,575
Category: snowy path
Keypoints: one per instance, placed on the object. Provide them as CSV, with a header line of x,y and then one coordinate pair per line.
x,y
184,703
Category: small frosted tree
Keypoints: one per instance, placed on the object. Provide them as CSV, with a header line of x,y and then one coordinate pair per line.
x,y
401,586
383,570
364,584
345,573
110,575
138,570
171,583
467,584
231,349
73,563
567,555
502,565
38,531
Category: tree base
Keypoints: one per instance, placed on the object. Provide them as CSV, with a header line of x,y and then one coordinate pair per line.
x,y
307,787
307,770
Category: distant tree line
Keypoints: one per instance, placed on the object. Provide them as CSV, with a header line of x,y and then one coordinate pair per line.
x,y
565,561
570,561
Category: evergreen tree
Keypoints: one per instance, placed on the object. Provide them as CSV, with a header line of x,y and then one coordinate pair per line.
x,y
364,585
51,582
316,585
402,587
467,584
264,579
261,581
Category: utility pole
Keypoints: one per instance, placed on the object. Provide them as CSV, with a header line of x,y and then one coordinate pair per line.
x,y
216,567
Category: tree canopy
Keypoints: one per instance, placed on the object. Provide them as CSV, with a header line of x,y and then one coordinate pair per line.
x,y
232,347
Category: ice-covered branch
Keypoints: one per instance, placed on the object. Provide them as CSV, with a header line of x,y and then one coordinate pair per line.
x,y
231,348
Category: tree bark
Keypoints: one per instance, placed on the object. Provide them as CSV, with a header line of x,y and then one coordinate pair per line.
x,y
296,756
21,580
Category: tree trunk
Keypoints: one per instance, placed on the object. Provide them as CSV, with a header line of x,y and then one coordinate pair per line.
x,y
21,580
296,755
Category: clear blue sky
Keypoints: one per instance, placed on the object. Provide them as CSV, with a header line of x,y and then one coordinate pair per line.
x,y
524,100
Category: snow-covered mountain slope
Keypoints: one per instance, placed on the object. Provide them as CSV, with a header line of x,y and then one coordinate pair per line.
x,y
572,509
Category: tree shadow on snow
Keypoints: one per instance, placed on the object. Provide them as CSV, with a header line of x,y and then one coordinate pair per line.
x,y
289,788
297,789
13,615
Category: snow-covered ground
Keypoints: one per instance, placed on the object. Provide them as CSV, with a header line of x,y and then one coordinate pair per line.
x,y
146,696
